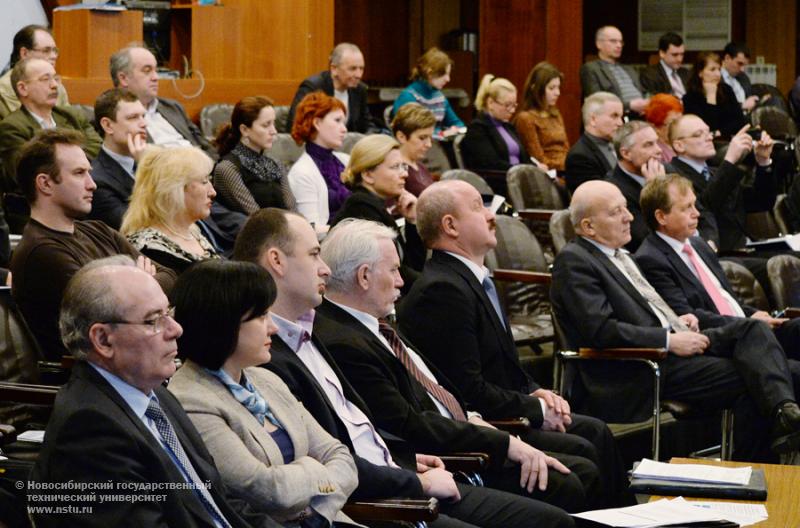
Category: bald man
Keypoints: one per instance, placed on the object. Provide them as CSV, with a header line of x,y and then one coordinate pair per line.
x,y
602,301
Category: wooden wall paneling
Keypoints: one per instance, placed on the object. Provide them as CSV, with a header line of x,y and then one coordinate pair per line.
x,y
772,33
223,56
564,50
439,18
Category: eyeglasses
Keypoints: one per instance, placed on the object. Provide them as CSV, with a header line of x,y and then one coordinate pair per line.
x,y
48,50
399,167
510,106
697,135
157,324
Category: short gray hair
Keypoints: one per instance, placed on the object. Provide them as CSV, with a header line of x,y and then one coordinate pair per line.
x,y
623,139
121,61
87,301
338,52
350,244
595,102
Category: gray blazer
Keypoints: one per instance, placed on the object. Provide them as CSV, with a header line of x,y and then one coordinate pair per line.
x,y
595,78
322,474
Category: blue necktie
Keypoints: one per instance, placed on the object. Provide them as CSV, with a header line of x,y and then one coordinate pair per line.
x,y
706,174
488,287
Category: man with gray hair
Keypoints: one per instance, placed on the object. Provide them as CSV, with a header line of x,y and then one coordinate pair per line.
x,y
343,81
114,426
593,155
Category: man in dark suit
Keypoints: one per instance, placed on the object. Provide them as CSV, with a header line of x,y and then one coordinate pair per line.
x,y
285,244
735,58
685,270
114,423
593,155
343,81
667,76
603,301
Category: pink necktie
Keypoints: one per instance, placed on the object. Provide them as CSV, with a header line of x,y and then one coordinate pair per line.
x,y
723,307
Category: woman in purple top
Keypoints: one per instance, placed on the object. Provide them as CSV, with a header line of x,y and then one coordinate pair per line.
x,y
491,142
315,178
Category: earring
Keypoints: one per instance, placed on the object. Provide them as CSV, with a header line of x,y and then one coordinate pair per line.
x,y
246,140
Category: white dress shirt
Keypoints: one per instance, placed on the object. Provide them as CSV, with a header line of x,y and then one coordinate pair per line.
x,y
161,131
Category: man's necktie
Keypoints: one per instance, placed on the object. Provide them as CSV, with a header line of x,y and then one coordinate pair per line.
x,y
167,433
491,291
723,307
433,388
706,173
648,292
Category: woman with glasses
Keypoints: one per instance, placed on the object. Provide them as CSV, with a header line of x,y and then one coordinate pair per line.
x,y
269,450
377,176
539,123
712,100
172,193
413,129
491,142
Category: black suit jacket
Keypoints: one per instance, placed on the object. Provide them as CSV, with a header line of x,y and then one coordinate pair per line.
x,y
585,162
358,117
676,283
374,482
654,79
174,113
483,148
93,436
114,188
450,319
399,402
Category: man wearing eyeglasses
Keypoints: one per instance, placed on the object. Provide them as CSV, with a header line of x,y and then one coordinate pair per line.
x,y
55,179
30,41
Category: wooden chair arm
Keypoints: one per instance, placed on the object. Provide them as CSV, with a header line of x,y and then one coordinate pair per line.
x,y
791,313
8,434
466,462
514,426
67,362
528,277
409,510
653,354
27,393
536,214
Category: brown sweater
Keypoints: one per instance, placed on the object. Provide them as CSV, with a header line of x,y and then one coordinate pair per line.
x,y
544,137
46,260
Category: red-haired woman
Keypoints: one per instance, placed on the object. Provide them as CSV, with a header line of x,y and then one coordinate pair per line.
x,y
315,178
660,112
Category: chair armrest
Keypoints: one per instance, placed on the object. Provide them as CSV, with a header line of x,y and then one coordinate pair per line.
x,y
536,214
791,313
26,393
393,510
8,434
652,354
466,462
514,426
528,277
67,362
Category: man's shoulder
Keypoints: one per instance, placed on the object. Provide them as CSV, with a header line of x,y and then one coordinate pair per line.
x,y
582,147
172,104
18,119
319,81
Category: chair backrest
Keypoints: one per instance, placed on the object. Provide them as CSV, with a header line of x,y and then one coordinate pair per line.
x,y
561,229
471,178
784,279
782,216
776,97
285,150
531,188
762,225
436,160
778,123
457,150
744,284
87,111
350,139
213,116
387,116
282,123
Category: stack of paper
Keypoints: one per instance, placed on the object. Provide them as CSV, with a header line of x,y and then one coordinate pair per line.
x,y
650,469
665,512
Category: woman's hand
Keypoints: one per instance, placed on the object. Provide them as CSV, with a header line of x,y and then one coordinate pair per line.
x,y
407,206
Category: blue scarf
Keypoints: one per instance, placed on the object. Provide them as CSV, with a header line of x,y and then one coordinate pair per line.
x,y
248,396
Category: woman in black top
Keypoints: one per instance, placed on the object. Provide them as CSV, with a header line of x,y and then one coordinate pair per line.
x,y
709,98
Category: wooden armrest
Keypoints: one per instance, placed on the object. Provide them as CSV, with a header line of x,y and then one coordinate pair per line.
x,y
528,277
515,426
393,510
67,362
8,434
791,313
466,462
653,354
536,214
26,393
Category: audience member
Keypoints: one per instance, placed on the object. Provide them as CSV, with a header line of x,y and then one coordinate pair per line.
x,y
491,142
119,116
412,126
245,177
114,422
607,75
429,76
660,112
593,155
712,100
667,77
173,192
34,82
735,58
315,178
135,69
540,124
54,177
376,173
32,41
603,301
270,451
286,245
342,81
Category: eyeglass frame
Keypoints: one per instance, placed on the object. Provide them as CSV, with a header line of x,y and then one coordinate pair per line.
x,y
48,50
157,324
697,135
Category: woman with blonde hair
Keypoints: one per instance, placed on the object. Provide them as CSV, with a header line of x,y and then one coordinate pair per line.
x,y
377,174
172,193
491,142
539,123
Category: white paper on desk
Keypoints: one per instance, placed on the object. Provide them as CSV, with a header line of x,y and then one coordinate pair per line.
x,y
651,469
742,513
650,514
497,201
36,436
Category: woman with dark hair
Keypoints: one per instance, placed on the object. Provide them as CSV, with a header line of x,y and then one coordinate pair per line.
x,y
245,178
413,129
315,178
711,99
539,123
661,111
269,450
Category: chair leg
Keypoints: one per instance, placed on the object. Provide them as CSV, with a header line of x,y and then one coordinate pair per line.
x,y
726,451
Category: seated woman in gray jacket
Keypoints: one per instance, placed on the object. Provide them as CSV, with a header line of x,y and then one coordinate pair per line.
x,y
269,450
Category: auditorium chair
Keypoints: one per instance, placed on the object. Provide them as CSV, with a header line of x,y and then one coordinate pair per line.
x,y
213,117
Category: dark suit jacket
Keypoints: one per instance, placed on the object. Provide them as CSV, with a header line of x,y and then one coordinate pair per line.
x,y
724,196
678,285
398,401
358,117
450,319
585,162
374,482
114,188
174,113
654,79
595,78
483,148
93,436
